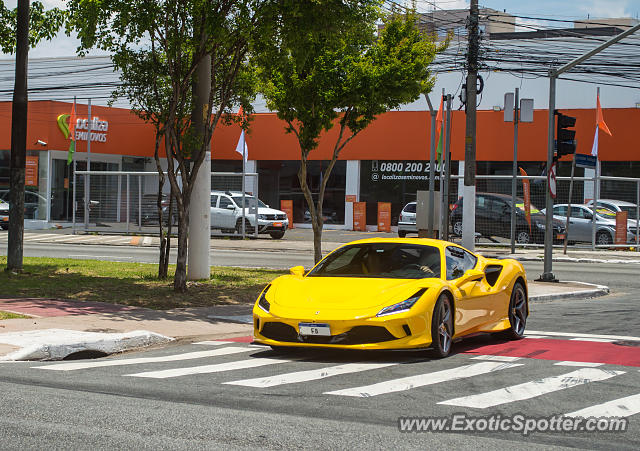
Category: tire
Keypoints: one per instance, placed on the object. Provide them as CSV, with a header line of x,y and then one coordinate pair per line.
x,y
604,238
523,237
276,235
518,313
457,228
402,233
442,327
247,227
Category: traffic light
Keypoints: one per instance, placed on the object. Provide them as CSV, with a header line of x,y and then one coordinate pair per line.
x,y
565,138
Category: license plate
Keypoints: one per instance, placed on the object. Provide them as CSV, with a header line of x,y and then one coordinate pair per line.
x,y
561,236
314,329
277,224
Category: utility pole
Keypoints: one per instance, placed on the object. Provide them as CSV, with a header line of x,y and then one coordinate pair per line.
x,y
200,205
469,195
432,168
18,141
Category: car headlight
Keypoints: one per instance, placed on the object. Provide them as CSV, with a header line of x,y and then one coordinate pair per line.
x,y
262,302
262,216
402,306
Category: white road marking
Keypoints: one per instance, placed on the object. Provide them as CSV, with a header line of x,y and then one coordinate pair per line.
x,y
571,334
595,340
420,380
167,358
534,336
496,358
532,389
622,407
213,343
206,369
311,375
583,364
91,256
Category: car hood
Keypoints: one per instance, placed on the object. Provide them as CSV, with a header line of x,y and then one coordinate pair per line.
x,y
265,211
306,297
4,207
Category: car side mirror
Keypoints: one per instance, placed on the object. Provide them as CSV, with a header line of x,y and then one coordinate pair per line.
x,y
472,275
231,207
297,271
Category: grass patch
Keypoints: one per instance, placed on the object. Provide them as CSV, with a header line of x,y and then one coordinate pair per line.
x,y
134,284
9,315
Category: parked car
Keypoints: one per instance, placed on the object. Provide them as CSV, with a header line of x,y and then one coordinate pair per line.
x,y
32,201
407,220
329,216
149,211
620,205
580,224
226,215
493,219
4,215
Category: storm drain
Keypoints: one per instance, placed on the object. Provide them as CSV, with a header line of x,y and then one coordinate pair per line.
x,y
86,354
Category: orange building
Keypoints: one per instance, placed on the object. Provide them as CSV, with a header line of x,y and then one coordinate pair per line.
x,y
385,163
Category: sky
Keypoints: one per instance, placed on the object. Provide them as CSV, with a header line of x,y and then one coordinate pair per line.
x,y
63,45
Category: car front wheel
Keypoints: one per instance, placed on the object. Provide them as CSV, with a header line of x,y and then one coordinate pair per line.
x,y
517,313
442,327
457,228
276,235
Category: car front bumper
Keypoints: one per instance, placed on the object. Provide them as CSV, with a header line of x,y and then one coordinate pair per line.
x,y
408,330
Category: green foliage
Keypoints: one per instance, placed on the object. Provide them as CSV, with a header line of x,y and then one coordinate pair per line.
x,y
43,24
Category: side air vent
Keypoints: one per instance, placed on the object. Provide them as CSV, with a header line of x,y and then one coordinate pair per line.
x,y
492,272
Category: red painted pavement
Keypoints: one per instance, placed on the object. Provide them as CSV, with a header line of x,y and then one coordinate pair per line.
x,y
561,350
53,307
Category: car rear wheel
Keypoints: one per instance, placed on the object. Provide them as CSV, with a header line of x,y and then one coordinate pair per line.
x,y
442,327
457,228
276,235
603,238
517,313
523,237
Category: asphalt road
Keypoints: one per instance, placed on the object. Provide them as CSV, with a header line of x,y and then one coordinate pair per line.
x,y
191,406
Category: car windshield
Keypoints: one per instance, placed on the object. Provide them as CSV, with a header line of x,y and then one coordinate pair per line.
x,y
605,214
381,260
250,201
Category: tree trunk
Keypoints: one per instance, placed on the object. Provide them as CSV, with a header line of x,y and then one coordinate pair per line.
x,y
180,278
165,239
317,240
18,143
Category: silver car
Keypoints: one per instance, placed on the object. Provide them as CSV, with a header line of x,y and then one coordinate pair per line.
x,y
407,220
580,227
620,205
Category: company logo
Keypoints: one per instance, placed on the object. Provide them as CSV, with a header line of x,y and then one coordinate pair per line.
x,y
98,128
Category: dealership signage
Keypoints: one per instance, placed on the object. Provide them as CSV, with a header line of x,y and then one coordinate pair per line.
x,y
401,170
99,128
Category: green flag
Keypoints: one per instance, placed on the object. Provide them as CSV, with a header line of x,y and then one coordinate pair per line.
x,y
72,149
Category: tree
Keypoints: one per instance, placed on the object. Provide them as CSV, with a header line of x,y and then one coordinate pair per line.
x,y
158,46
328,66
20,28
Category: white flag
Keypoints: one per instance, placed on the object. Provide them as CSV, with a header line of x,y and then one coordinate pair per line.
x,y
594,149
242,148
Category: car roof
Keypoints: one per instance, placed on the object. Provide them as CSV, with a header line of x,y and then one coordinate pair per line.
x,y
620,203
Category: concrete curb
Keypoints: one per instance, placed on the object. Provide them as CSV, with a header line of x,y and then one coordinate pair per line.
x,y
575,260
593,291
56,344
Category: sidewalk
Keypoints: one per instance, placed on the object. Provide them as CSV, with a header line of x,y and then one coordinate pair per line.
x,y
60,328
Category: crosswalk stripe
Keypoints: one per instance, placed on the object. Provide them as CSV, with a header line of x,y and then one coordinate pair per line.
x,y
532,389
585,364
407,383
212,342
622,407
595,340
206,369
577,335
167,358
310,375
496,358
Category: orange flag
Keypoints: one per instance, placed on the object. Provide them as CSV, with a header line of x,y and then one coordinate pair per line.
x,y
600,119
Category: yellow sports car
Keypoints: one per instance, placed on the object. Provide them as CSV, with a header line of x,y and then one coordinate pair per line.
x,y
386,293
